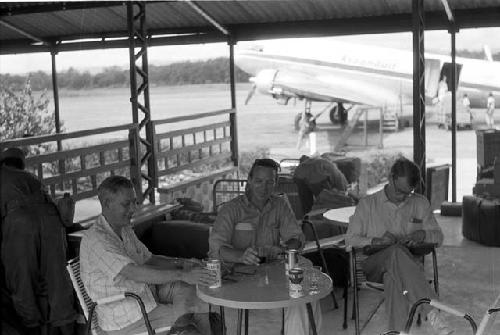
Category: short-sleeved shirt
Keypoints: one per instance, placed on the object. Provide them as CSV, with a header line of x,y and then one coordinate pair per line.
x,y
376,214
103,254
491,103
240,225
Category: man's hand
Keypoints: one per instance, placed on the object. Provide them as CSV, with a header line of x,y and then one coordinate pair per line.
x,y
250,257
386,239
199,276
418,236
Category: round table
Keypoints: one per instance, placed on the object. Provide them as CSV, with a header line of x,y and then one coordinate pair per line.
x,y
266,289
340,216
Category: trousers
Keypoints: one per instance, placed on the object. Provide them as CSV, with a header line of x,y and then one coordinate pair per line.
x,y
175,299
404,282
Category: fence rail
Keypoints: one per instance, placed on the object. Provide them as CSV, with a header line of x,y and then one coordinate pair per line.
x,y
79,170
192,147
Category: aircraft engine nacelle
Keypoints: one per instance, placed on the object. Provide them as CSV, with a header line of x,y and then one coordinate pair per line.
x,y
264,80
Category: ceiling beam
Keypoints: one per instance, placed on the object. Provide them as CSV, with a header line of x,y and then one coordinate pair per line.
x,y
12,9
473,18
25,47
207,17
21,31
448,11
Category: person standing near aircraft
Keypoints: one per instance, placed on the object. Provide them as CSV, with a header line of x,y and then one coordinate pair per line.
x,y
307,125
442,89
490,110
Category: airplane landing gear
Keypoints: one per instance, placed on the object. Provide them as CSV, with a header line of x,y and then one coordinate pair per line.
x,y
338,114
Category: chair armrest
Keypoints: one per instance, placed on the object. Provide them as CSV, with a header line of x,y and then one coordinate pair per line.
x,y
110,299
122,296
328,242
420,249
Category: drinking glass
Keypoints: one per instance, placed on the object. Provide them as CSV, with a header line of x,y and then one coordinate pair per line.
x,y
314,278
262,253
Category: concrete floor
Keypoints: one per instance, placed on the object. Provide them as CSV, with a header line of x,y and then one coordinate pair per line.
x,y
469,277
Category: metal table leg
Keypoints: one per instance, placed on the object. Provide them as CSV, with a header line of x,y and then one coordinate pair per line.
x,y
311,318
240,316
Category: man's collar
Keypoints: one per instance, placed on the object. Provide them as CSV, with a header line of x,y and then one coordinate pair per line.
x,y
247,201
385,198
102,222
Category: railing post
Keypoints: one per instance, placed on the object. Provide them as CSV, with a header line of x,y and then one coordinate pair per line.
x,y
419,91
135,164
138,38
232,117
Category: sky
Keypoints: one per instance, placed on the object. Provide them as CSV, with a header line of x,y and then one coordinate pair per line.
x,y
95,60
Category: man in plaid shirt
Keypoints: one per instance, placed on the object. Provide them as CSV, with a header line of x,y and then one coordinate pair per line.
x,y
113,261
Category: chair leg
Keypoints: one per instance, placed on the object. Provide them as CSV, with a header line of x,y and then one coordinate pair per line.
x,y
240,316
355,292
223,320
323,259
246,321
346,304
282,321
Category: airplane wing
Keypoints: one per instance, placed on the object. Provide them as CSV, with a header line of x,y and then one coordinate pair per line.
x,y
349,87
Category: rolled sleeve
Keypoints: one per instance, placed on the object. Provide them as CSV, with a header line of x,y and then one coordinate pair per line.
x,y
356,235
110,260
222,231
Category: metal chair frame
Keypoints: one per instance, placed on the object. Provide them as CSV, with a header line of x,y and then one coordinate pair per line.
x,y
88,306
359,280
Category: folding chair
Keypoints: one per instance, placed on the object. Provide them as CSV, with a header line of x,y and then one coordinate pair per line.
x,y
225,190
358,278
88,306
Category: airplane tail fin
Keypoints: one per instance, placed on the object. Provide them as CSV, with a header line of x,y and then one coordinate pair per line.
x,y
487,53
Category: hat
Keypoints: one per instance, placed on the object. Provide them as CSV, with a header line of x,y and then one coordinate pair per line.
x,y
13,153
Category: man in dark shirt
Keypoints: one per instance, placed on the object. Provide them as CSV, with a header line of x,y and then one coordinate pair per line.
x,y
33,249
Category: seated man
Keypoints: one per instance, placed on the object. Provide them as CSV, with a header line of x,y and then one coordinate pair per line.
x,y
113,261
397,217
260,218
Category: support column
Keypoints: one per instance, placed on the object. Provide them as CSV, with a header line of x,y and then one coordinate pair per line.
x,y
55,91
139,87
232,118
419,91
453,116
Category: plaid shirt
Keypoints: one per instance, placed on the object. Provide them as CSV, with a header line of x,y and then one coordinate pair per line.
x,y
102,256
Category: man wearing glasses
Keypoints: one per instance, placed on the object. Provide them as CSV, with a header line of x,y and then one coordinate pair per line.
x,y
261,219
397,218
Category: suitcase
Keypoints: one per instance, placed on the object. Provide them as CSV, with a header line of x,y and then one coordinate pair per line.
x,y
481,220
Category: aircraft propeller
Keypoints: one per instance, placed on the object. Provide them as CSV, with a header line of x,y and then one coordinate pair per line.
x,y
252,90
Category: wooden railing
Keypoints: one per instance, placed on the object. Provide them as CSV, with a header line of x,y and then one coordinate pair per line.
x,y
191,147
80,170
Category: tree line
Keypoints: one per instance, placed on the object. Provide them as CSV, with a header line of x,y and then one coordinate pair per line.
x,y
181,73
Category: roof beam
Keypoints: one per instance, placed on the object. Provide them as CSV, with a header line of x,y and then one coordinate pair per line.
x,y
21,31
448,11
207,17
27,8
25,47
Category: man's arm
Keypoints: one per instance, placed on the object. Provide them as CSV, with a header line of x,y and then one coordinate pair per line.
x,y
356,231
149,275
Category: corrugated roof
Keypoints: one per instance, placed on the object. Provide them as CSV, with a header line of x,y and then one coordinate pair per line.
x,y
245,20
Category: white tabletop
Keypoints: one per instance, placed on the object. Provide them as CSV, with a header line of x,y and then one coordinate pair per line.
x,y
341,215
266,289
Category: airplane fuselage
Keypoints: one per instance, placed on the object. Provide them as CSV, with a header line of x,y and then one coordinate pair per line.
x,y
361,74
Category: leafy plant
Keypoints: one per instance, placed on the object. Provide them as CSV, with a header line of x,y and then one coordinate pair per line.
x,y
22,114
378,167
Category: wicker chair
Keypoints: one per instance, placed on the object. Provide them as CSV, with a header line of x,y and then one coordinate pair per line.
x,y
88,306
